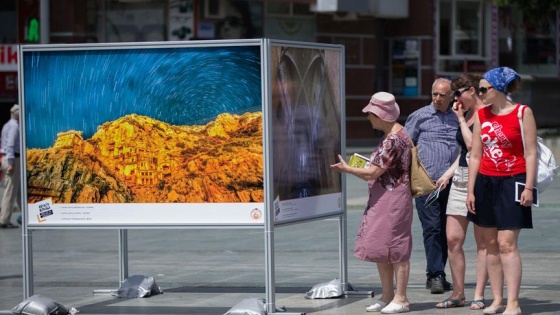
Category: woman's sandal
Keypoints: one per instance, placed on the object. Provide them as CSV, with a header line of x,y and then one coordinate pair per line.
x,y
478,304
448,303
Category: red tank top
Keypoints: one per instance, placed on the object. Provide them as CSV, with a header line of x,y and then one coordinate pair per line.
x,y
502,145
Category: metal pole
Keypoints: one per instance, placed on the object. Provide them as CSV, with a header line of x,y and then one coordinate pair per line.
x,y
27,256
123,255
45,21
343,218
269,263
270,289
343,251
26,233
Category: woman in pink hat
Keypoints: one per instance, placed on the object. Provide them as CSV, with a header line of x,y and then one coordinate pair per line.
x,y
384,236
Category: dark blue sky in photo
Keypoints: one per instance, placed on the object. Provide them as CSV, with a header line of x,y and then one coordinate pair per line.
x,y
80,90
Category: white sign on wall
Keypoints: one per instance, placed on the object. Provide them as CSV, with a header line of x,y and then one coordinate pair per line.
x,y
8,58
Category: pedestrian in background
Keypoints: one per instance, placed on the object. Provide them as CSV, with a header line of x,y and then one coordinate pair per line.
x,y
498,161
433,129
10,167
385,233
467,103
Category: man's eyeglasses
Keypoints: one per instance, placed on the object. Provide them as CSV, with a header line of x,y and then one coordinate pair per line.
x,y
435,94
460,92
483,90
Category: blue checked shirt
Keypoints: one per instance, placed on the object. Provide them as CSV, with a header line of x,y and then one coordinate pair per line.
x,y
434,133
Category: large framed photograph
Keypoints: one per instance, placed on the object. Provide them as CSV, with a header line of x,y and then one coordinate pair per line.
x,y
143,135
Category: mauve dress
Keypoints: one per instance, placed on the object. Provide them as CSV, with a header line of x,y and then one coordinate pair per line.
x,y
385,234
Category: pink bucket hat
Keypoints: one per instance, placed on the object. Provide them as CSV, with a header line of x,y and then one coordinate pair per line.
x,y
384,106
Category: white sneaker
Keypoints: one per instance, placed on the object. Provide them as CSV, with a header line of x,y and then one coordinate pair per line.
x,y
394,308
377,307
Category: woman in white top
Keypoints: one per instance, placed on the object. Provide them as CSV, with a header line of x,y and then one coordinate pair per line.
x,y
467,103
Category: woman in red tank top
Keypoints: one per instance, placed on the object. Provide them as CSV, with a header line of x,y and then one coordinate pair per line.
x,y
497,162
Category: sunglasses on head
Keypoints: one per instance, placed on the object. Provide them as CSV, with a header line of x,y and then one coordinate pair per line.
x,y
460,92
483,90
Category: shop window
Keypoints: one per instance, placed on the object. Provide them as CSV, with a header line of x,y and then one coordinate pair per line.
x,y
468,28
288,9
528,46
279,8
180,20
214,9
8,19
405,66
232,19
132,21
289,21
463,35
461,27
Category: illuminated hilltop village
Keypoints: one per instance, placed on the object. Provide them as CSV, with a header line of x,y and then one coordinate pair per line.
x,y
140,159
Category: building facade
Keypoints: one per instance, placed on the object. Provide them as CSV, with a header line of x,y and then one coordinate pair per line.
x,y
399,46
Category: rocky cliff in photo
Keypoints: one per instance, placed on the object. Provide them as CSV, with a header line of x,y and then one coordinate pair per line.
x,y
137,159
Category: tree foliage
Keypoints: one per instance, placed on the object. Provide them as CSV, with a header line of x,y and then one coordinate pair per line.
x,y
532,9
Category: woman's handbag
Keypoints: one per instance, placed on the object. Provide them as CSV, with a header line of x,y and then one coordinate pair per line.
x,y
420,182
546,164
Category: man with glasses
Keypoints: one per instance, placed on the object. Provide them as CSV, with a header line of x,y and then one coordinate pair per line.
x,y
433,129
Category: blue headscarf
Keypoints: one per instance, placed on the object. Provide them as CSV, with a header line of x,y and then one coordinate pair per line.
x,y
500,78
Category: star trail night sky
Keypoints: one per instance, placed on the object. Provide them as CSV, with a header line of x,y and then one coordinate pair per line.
x,y
80,90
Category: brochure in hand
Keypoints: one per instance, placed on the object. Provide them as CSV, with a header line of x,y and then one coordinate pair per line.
x,y
433,196
359,161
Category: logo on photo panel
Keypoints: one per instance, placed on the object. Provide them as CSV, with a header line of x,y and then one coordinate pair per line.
x,y
45,210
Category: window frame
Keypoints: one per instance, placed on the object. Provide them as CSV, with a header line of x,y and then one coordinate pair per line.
x,y
484,40
454,20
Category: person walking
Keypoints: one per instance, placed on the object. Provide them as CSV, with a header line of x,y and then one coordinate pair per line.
x,y
10,167
467,103
433,128
385,233
500,163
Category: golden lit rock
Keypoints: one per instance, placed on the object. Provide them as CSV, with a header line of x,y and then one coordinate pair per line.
x,y
139,159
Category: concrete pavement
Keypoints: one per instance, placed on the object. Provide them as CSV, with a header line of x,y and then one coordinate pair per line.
x,y
209,271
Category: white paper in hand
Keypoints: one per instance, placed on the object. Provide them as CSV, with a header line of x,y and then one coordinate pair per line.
x,y
433,196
